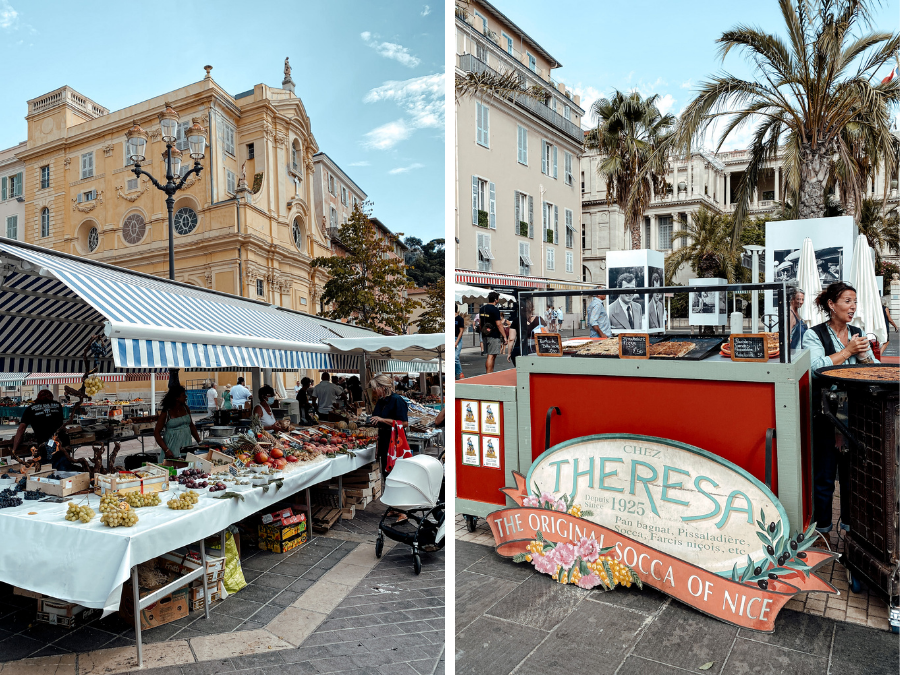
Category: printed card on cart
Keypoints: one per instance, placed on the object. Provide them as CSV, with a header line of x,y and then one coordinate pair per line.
x,y
470,445
470,411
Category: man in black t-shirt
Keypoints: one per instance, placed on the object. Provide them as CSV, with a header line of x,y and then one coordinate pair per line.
x,y
459,330
492,330
45,417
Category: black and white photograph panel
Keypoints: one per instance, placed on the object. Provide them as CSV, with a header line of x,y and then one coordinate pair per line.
x,y
830,262
656,314
626,311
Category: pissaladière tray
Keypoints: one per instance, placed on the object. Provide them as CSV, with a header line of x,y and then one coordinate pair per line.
x,y
704,347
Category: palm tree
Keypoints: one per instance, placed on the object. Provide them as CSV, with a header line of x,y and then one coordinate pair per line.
x,y
630,134
707,247
808,90
881,230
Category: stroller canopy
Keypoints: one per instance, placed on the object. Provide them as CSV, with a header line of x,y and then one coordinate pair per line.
x,y
414,483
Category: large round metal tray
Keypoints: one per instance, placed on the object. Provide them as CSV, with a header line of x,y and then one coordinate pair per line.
x,y
832,375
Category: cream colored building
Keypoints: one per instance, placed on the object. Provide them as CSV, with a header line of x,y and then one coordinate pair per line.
x,y
82,198
705,179
12,193
518,205
335,193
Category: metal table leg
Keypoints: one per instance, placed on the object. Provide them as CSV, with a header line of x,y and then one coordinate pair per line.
x,y
203,578
137,615
341,494
308,514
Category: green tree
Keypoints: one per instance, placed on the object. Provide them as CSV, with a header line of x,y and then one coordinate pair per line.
x,y
707,247
424,262
629,136
808,92
367,284
882,231
432,319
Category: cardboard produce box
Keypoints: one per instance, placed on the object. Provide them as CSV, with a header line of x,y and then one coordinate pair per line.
x,y
166,610
280,533
148,479
284,546
216,593
65,614
181,564
69,482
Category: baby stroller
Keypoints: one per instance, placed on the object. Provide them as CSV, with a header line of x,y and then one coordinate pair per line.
x,y
414,487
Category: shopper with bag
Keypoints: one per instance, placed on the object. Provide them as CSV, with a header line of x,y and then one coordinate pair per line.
x,y
391,416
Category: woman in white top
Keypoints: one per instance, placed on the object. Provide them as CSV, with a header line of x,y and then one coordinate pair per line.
x,y
264,409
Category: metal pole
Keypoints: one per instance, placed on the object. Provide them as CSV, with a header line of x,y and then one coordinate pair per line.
x,y
170,205
203,579
137,615
152,392
754,328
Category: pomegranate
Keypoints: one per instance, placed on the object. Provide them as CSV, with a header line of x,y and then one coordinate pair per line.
x,y
291,458
276,453
280,463
261,457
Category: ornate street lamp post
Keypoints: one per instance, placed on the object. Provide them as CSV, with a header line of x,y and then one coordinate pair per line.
x,y
137,148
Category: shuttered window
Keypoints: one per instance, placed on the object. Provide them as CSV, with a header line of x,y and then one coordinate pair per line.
x,y
482,124
522,145
570,262
568,168
12,227
570,230
485,257
551,259
87,165
525,258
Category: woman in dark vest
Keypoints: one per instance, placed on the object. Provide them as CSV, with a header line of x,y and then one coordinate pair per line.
x,y
832,343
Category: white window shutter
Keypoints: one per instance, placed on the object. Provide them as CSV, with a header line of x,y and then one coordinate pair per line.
x,y
544,221
544,169
555,224
492,213
518,213
475,200
487,126
554,162
477,122
530,217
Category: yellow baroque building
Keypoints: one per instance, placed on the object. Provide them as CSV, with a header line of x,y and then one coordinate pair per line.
x,y
81,197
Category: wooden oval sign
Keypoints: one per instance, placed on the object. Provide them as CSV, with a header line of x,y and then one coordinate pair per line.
x,y
679,499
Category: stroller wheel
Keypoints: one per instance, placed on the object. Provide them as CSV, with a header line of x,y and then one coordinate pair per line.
x,y
471,523
417,563
379,545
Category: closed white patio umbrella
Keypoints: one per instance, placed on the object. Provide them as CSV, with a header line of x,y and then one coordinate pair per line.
x,y
808,280
869,316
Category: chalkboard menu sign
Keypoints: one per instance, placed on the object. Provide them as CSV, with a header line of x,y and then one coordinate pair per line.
x,y
548,344
634,346
749,347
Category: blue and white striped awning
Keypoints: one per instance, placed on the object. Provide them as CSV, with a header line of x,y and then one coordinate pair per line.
x,y
51,304
12,379
415,366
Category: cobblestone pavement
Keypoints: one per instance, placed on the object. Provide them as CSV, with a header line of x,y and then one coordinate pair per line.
x,y
510,619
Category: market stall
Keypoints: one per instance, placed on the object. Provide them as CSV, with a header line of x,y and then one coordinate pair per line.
x,y
147,324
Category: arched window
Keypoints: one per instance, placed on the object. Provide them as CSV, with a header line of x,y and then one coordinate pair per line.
x,y
45,222
134,228
298,235
93,239
296,156
185,220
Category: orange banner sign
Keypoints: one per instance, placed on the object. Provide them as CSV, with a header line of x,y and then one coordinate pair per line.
x,y
528,531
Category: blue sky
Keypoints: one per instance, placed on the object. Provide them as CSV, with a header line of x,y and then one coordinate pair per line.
x,y
369,74
654,47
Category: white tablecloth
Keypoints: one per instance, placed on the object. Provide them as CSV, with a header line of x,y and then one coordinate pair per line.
x,y
87,563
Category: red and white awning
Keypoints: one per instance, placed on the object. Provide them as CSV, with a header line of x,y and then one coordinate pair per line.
x,y
498,279
39,379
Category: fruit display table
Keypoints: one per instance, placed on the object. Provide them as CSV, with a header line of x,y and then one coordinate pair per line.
x,y
88,563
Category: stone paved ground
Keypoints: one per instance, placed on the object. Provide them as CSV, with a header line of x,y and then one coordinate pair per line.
x,y
510,619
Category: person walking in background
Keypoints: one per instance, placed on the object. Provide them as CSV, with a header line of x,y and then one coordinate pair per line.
x,y
796,297
211,404
493,333
175,427
297,387
239,394
460,328
597,318
390,409
326,393
226,398
888,320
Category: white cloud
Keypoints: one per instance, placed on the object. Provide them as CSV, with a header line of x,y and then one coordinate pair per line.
x,y
426,10
421,99
9,17
390,50
387,135
665,103
687,84
405,169
362,163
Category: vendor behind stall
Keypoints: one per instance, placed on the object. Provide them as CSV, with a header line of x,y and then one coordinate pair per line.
x,y
325,393
175,427
264,409
389,409
832,343
45,417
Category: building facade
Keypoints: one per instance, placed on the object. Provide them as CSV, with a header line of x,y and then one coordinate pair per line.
x,y
81,197
518,205
12,193
335,193
705,179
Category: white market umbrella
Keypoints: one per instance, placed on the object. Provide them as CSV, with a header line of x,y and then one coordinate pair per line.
x,y
808,280
279,385
473,294
869,316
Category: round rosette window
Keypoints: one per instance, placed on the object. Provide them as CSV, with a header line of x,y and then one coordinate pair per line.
x,y
185,220
134,228
93,239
